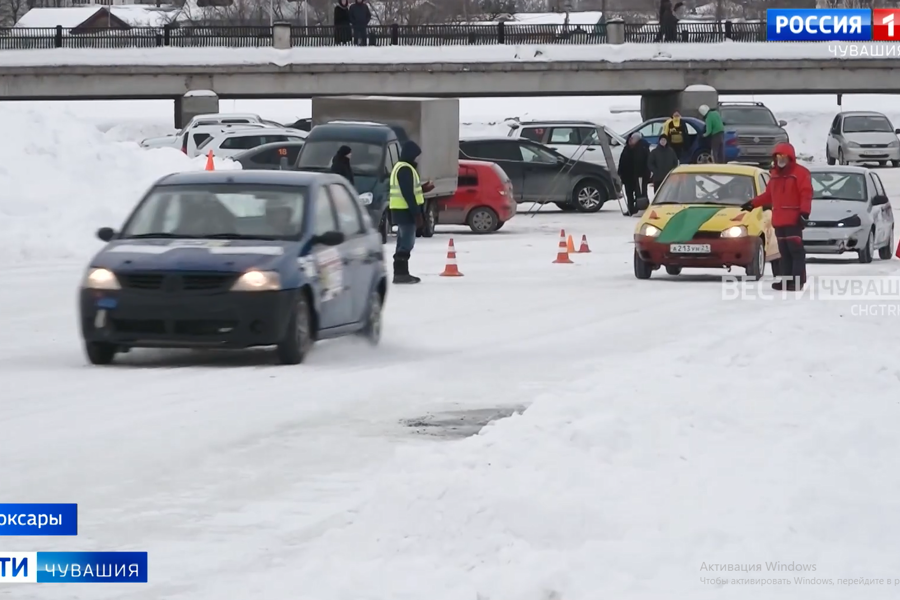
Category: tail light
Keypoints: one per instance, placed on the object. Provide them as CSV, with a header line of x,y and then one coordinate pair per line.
x,y
732,142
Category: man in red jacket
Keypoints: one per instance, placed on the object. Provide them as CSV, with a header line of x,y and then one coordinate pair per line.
x,y
789,196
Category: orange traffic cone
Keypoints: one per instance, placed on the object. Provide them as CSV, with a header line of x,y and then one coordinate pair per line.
x,y
451,270
897,254
210,164
570,245
562,257
584,245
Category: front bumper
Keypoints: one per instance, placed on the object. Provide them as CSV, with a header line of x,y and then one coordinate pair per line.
x,y
138,319
871,154
724,252
834,240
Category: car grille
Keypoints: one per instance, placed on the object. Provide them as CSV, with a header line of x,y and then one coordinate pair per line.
x,y
822,223
874,146
757,140
187,282
707,235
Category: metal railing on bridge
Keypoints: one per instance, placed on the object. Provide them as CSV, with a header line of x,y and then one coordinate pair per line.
x,y
252,36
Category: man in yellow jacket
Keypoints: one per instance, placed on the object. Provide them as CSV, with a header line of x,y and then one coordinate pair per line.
x,y
676,130
407,206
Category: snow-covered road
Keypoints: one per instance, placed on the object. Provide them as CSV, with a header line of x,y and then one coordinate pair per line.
x,y
664,417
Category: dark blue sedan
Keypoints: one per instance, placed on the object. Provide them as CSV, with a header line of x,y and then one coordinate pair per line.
x,y
698,151
236,259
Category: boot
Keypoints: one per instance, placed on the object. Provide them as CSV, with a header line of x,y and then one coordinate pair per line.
x,y
401,269
778,286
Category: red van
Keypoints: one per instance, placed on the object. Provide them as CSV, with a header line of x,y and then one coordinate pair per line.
x,y
484,198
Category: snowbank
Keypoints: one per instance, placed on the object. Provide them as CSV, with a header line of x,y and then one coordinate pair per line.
x,y
62,179
623,484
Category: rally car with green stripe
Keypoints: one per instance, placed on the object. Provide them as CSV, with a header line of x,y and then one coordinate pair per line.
x,y
695,221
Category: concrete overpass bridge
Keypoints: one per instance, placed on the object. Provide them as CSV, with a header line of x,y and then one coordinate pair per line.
x,y
657,72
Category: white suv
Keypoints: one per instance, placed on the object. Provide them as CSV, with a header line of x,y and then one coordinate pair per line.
x,y
577,140
176,140
231,142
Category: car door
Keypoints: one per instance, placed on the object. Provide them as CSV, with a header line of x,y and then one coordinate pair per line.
x,y
335,303
546,179
831,142
651,130
881,215
358,265
506,155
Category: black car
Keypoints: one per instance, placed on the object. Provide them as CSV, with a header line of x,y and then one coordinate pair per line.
x,y
540,174
276,156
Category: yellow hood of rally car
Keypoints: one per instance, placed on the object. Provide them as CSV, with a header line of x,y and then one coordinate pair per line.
x,y
756,221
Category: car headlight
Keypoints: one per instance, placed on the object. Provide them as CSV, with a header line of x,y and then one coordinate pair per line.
x,y
894,144
366,199
735,232
853,221
100,279
852,145
649,230
257,281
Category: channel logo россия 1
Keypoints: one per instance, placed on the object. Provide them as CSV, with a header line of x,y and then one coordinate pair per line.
x,y
833,25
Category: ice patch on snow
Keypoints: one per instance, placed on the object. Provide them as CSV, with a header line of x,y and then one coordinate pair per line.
x,y
63,178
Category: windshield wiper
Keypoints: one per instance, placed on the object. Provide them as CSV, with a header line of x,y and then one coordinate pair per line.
x,y
159,235
239,236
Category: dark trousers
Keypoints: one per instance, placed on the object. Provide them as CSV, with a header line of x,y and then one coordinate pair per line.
x,y
634,189
680,152
793,256
717,145
360,36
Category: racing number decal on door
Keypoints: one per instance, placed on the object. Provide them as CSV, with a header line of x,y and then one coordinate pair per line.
x,y
282,152
331,273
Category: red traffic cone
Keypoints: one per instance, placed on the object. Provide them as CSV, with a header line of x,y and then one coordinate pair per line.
x,y
451,270
210,164
562,256
584,249
897,253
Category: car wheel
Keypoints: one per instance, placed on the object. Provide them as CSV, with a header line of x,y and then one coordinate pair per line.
x,y
673,270
756,269
895,163
828,158
384,227
499,225
483,220
882,163
372,329
430,221
589,196
704,157
642,269
564,206
886,252
841,160
100,353
867,253
298,336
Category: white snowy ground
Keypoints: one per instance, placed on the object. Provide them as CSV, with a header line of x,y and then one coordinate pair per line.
x,y
665,427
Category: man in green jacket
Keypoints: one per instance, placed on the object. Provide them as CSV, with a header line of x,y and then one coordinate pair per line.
x,y
715,131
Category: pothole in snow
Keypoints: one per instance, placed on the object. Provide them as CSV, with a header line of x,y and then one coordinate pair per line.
x,y
459,424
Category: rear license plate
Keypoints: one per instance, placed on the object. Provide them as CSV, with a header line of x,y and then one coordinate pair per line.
x,y
689,248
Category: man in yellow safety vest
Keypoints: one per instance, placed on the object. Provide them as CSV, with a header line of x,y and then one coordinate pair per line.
x,y
407,204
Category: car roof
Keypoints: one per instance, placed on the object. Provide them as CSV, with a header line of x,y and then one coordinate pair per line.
x,y
261,131
839,169
363,132
861,113
726,169
471,162
253,177
495,138
559,122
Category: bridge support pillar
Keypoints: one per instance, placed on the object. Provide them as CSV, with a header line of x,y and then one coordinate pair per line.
x,y
661,104
196,102
695,96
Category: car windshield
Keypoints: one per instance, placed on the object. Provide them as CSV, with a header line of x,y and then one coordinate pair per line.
x,y
364,158
747,116
226,212
839,186
868,123
705,188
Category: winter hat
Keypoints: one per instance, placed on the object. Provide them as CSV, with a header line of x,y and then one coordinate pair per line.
x,y
703,109
636,136
344,151
664,137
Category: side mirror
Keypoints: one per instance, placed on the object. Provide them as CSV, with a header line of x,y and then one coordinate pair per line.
x,y
642,203
880,200
897,131
332,238
782,123
106,234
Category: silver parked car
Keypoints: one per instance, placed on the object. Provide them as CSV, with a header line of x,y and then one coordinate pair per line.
x,y
859,137
850,213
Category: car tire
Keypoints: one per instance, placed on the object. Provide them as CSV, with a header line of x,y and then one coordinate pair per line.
x,y
565,206
673,270
430,223
895,163
372,329
828,158
100,353
298,335
589,196
886,252
882,163
482,220
384,227
756,269
500,225
866,255
642,269
841,160
703,157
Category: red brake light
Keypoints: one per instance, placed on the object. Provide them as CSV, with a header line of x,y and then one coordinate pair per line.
x,y
732,142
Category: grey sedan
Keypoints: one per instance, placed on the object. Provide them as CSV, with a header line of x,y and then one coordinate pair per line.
x,y
275,156
850,213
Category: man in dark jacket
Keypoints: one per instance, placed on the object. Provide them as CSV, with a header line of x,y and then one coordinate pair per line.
x,y
342,32
360,15
340,164
668,24
789,195
634,170
407,204
662,160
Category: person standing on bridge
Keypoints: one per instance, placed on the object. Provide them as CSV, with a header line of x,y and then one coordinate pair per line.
x,y
715,133
360,16
342,33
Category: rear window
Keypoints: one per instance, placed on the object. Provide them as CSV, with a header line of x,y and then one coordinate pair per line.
x,y
535,134
468,177
245,142
504,178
